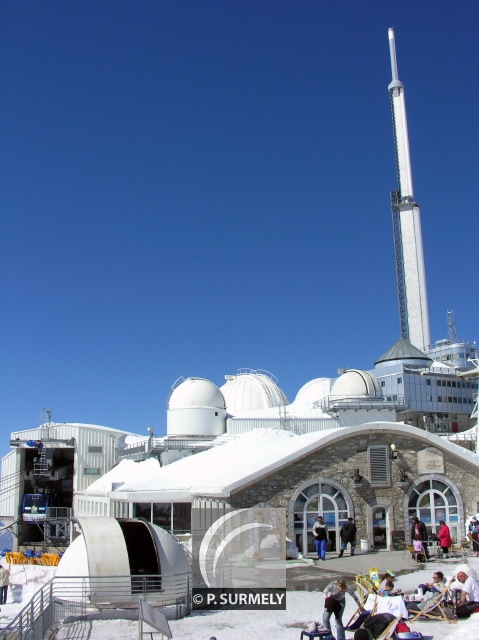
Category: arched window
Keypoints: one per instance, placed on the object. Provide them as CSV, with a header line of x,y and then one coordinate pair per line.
x,y
433,500
319,498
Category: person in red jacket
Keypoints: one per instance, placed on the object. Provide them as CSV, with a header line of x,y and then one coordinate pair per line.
x,y
444,536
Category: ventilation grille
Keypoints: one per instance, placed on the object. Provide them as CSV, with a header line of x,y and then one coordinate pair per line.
x,y
379,464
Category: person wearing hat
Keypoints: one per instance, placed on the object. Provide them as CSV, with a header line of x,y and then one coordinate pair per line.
x,y
387,577
474,531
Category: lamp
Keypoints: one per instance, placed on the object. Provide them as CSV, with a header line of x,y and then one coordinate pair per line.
x,y
394,453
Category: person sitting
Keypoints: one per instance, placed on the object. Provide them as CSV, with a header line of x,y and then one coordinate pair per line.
x,y
437,584
389,590
385,578
469,600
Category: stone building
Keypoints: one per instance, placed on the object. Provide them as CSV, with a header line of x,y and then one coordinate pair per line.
x,y
379,473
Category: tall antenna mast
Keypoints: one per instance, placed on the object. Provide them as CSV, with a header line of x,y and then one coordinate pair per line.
x,y
410,269
451,328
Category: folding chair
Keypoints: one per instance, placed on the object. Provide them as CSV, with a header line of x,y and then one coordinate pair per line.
x,y
414,555
436,609
459,548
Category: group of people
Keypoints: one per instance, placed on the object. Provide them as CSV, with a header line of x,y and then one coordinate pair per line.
x,y
347,535
465,586
419,538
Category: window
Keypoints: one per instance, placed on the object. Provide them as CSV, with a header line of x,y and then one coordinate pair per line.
x,y
383,383
92,471
439,398
379,464
428,381
319,498
432,501
93,449
399,380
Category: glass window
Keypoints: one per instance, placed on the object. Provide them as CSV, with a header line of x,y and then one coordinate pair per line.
x,y
92,449
91,471
181,517
142,510
325,500
162,514
399,380
433,501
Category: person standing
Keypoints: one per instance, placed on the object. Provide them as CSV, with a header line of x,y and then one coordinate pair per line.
x,y
347,534
320,533
4,582
474,531
418,528
445,540
335,602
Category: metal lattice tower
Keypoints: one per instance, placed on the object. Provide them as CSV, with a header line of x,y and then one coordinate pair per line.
x,y
451,329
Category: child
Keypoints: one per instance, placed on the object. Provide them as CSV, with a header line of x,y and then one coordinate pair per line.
x,y
388,589
418,548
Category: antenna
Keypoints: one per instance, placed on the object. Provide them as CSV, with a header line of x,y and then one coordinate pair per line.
x,y
451,328
406,218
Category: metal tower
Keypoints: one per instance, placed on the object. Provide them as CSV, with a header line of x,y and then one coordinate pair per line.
x,y
410,271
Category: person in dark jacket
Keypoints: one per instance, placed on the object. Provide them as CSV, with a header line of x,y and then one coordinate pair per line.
x,y
418,528
348,534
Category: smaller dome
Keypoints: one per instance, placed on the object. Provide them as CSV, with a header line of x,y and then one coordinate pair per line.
x,y
356,383
314,390
196,392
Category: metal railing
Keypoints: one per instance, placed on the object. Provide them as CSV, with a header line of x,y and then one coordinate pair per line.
x,y
78,598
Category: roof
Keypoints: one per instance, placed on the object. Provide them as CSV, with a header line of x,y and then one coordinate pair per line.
x,y
224,469
403,350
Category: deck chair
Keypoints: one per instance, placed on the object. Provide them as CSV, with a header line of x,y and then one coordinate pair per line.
x,y
459,548
436,609
389,630
364,591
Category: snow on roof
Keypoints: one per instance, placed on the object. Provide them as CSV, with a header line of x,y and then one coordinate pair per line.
x,y
222,469
126,470
219,470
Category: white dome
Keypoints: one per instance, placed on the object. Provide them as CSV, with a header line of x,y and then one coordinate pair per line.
x,y
196,392
314,390
251,391
356,383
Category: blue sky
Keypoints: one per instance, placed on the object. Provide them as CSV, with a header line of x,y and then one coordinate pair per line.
x,y
189,188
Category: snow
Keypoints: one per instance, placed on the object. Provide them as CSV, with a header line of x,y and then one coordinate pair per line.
x,y
303,607
221,467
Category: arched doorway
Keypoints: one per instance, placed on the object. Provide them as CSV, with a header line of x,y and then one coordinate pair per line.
x,y
320,497
432,500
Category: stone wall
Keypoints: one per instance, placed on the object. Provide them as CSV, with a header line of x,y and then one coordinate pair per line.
x,y
337,462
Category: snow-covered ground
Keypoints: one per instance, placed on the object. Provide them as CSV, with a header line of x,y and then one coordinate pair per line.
x,y
303,607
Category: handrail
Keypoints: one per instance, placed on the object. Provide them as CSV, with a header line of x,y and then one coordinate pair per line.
x,y
56,599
